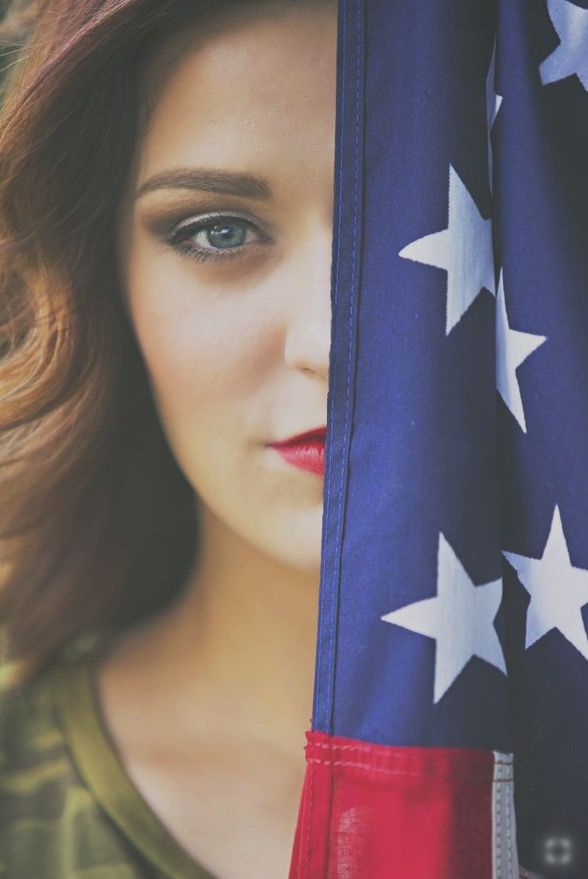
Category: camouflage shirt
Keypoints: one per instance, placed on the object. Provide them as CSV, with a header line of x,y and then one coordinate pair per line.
x,y
68,809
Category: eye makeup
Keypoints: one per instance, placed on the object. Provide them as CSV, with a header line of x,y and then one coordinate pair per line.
x,y
177,228
179,237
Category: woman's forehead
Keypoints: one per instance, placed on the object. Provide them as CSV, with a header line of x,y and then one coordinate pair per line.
x,y
264,83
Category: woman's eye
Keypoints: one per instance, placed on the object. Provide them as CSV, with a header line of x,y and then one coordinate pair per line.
x,y
214,237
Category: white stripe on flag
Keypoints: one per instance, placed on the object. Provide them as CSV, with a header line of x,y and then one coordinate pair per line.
x,y
505,863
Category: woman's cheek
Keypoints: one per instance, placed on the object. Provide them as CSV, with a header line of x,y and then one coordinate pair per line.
x,y
190,359
193,339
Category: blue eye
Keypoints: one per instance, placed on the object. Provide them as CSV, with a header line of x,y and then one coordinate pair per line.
x,y
226,235
220,237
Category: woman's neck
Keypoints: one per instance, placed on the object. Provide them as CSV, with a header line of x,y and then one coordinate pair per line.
x,y
235,653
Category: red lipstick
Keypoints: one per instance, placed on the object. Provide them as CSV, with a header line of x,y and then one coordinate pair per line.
x,y
305,450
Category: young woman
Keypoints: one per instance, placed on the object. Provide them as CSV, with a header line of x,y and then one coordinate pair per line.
x,y
166,174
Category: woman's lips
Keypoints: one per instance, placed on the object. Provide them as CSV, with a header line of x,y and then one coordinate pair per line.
x,y
306,451
308,455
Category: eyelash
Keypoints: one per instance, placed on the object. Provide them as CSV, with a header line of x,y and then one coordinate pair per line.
x,y
179,234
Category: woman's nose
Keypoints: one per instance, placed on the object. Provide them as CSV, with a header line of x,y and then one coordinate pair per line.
x,y
308,334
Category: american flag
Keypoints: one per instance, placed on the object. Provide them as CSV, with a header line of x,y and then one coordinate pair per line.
x,y
449,734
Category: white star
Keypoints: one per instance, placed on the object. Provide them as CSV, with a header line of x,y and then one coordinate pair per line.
x,y
571,56
460,618
493,103
512,348
463,250
558,590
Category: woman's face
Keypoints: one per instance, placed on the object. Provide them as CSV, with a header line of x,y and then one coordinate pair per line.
x,y
232,315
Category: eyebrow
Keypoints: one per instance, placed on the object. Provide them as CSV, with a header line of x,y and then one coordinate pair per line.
x,y
208,180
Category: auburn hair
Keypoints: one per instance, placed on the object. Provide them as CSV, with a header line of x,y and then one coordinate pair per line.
x,y
98,526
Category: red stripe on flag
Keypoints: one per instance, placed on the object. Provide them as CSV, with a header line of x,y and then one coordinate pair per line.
x,y
377,812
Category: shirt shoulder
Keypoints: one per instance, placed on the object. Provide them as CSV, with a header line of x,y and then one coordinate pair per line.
x,y
50,823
